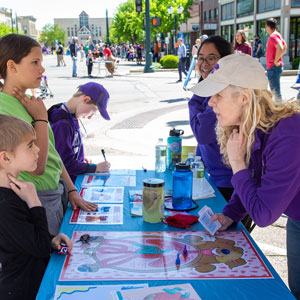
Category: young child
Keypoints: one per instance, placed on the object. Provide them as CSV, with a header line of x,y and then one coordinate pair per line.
x,y
25,243
21,68
89,63
63,118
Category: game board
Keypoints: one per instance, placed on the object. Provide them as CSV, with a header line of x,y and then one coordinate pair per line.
x,y
103,194
154,256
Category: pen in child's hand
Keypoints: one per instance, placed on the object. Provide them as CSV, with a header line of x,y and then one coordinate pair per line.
x,y
103,153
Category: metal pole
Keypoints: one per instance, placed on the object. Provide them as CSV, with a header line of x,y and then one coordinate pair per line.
x,y
107,29
17,27
175,49
148,66
12,24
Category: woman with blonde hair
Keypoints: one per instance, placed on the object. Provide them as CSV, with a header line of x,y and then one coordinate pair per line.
x,y
241,43
259,140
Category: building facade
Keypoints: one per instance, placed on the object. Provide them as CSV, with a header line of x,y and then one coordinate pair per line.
x,y
204,20
28,26
251,16
86,29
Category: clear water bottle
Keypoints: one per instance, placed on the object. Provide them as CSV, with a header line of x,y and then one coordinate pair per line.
x,y
190,160
198,168
198,177
160,156
182,187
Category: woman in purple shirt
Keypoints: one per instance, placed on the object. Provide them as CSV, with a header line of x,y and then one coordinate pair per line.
x,y
241,43
259,140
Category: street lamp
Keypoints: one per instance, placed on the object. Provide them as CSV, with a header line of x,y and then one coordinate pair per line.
x,y
178,11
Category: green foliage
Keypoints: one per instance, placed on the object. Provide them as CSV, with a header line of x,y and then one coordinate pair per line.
x,y
4,30
169,62
128,25
51,33
156,65
295,63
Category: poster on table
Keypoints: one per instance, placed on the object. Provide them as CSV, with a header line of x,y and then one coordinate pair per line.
x,y
103,194
173,255
91,292
106,214
108,180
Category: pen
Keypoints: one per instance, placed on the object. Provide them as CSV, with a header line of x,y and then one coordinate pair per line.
x,y
103,153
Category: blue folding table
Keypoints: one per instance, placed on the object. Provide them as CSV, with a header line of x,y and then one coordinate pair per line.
x,y
267,288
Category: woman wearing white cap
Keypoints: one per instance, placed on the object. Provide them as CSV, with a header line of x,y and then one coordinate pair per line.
x,y
259,140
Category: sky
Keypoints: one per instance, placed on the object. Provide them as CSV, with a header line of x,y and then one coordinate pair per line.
x,y
46,10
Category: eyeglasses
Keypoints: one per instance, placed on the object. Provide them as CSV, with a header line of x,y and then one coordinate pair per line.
x,y
210,60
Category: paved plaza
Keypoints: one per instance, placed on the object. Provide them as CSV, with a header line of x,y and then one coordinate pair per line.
x,y
144,107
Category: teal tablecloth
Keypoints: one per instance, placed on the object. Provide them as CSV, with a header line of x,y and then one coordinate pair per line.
x,y
239,289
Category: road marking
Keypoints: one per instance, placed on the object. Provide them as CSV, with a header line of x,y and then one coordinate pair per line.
x,y
266,247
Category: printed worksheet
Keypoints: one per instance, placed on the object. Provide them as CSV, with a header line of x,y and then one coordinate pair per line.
x,y
106,214
103,194
108,180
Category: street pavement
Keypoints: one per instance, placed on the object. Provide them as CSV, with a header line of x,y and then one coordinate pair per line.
x,y
144,107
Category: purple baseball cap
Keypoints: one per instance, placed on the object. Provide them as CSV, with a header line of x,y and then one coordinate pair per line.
x,y
98,94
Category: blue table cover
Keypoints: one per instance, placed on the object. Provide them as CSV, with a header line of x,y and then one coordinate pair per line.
x,y
239,289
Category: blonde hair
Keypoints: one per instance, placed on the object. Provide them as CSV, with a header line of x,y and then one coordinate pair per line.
x,y
262,112
13,132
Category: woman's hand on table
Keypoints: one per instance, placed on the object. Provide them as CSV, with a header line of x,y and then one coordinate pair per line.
x,y
224,221
59,239
78,202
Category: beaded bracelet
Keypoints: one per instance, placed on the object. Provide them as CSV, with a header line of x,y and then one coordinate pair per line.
x,y
72,191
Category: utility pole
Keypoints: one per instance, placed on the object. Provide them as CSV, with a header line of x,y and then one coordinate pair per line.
x,y
148,67
107,29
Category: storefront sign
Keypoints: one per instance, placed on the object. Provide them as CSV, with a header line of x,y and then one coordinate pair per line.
x,y
210,26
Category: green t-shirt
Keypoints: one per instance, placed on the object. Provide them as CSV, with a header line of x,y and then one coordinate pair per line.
x,y
49,180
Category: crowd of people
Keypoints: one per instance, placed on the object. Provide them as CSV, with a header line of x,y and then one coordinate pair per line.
x,y
246,138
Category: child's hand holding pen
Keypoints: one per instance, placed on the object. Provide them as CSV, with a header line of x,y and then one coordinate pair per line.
x,y
104,166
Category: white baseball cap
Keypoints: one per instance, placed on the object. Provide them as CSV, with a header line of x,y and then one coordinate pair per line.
x,y
203,37
237,69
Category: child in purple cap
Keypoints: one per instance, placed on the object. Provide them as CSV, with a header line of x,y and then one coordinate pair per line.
x,y
63,118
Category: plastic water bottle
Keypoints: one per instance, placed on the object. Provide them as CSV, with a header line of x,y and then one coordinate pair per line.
x,y
198,177
174,143
198,168
182,187
160,156
190,160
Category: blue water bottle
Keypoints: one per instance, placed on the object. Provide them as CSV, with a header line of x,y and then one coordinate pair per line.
x,y
174,142
182,186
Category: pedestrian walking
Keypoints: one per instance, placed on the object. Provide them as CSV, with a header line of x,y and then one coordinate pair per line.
x,y
182,59
73,52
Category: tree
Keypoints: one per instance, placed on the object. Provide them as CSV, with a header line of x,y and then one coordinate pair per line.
x,y
4,30
51,33
128,25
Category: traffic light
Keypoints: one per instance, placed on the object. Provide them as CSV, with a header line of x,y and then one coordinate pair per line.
x,y
139,6
156,21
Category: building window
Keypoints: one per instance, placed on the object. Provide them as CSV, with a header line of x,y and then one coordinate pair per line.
x,y
295,3
210,14
265,5
84,21
99,31
216,13
25,29
244,8
227,11
205,16
68,30
72,32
